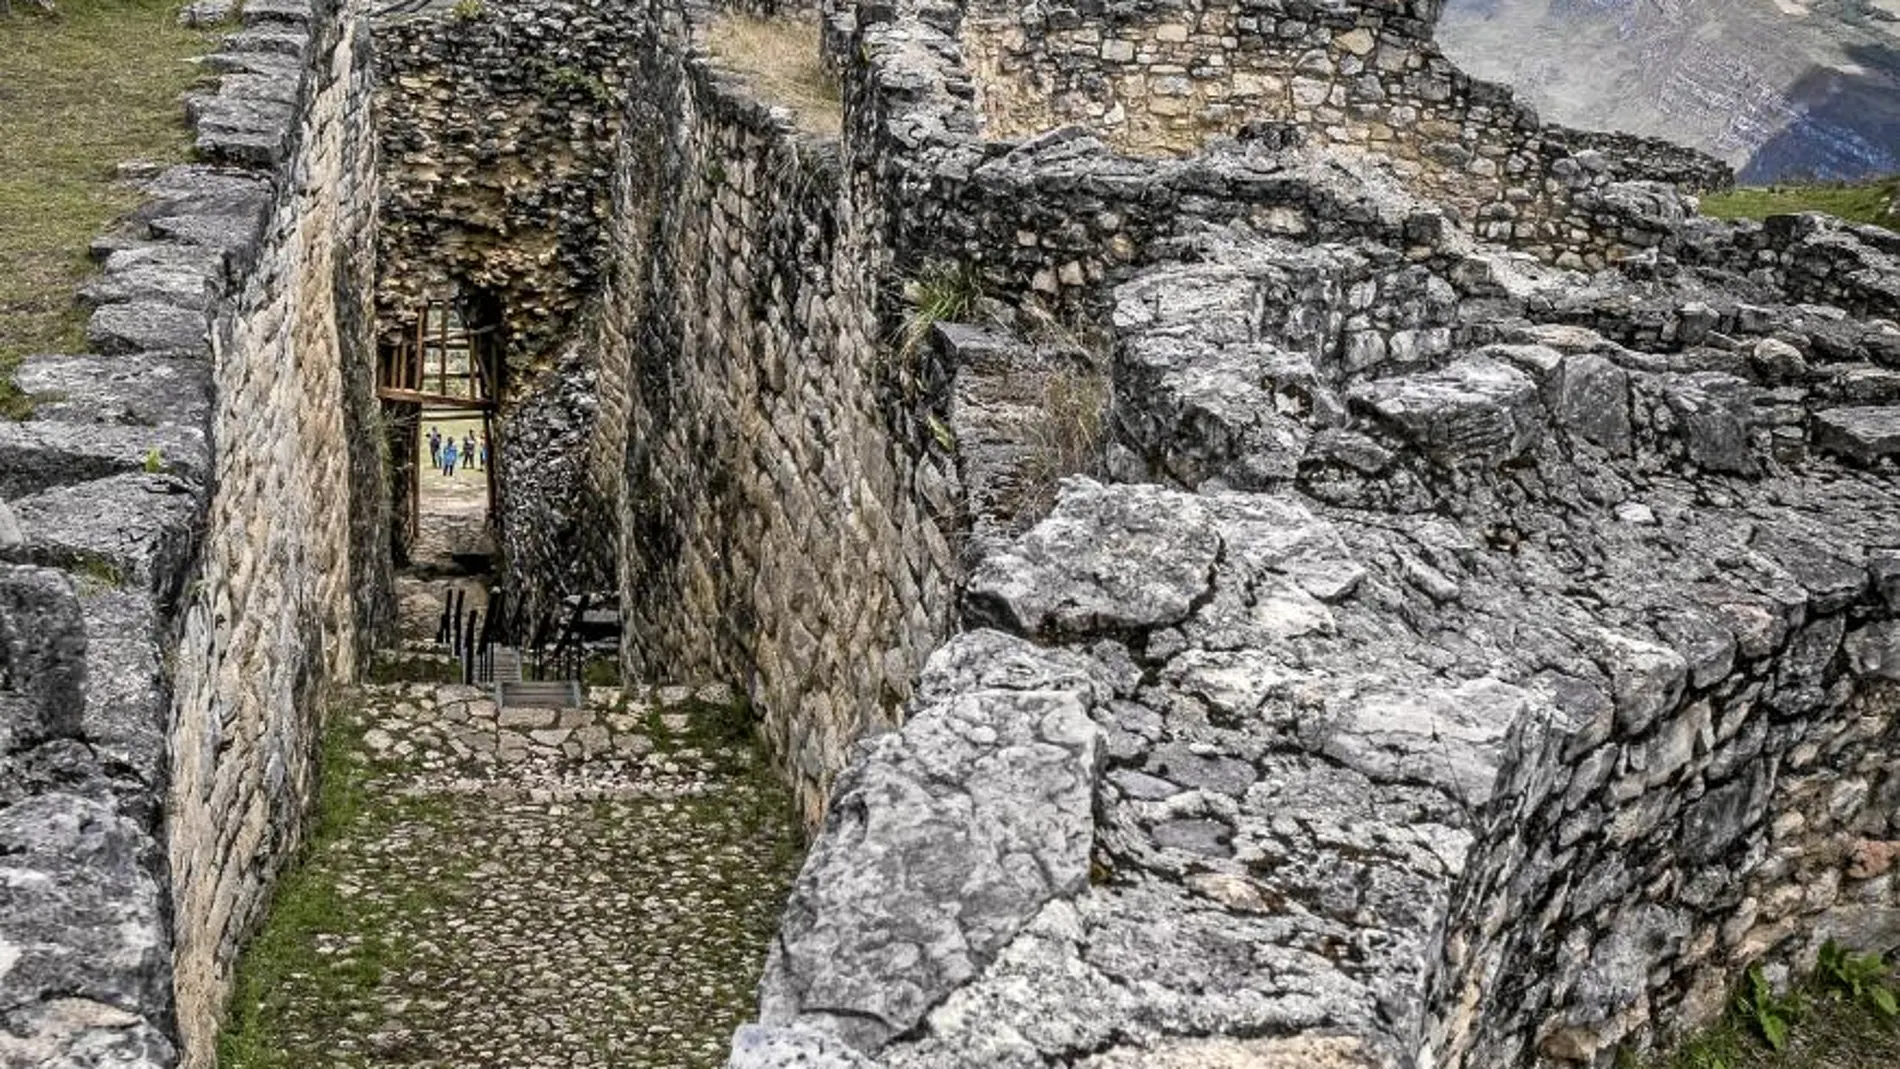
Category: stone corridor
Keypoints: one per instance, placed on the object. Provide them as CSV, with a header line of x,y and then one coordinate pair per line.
x,y
523,888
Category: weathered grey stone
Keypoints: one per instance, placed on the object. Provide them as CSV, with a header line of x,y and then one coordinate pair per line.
x,y
40,455
1063,579
10,537
955,830
241,130
1477,408
42,659
185,276
140,390
764,1047
141,326
138,529
80,919
1859,433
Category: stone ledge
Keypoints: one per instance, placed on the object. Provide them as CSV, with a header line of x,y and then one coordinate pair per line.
x,y
135,529
140,390
41,454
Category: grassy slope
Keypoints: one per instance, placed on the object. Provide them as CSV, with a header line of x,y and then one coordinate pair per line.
x,y
80,92
1876,202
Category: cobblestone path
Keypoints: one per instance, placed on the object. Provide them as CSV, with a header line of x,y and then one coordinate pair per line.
x,y
523,888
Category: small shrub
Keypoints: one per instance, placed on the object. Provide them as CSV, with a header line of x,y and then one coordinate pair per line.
x,y
1770,1014
1860,978
941,293
467,10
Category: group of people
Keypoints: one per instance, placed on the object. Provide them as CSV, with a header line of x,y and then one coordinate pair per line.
x,y
446,453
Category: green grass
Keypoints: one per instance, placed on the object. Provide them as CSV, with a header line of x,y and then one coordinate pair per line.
x,y
1876,202
1830,1020
80,92
308,906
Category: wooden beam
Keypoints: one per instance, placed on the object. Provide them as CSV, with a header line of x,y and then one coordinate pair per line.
x,y
440,400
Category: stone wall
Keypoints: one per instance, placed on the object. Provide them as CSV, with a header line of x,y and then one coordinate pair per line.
x,y
1471,661
785,507
498,131
1161,77
294,580
199,547
202,503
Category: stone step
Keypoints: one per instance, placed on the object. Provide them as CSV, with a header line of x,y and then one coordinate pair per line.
x,y
505,665
539,694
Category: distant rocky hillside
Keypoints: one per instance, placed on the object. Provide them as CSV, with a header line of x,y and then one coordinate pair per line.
x,y
1778,88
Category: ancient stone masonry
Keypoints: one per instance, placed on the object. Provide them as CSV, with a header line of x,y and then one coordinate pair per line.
x,y
195,553
1162,76
1468,660
785,505
499,129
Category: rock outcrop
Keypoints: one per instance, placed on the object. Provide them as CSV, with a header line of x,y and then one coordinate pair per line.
x,y
1470,657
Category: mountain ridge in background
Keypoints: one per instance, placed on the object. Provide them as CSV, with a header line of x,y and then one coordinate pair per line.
x,y
1781,89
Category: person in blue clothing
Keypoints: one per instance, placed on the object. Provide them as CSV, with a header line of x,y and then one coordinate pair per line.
x,y
448,456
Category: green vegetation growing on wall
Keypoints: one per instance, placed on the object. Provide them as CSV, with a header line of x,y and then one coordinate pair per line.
x,y
80,92
1876,202
1845,1015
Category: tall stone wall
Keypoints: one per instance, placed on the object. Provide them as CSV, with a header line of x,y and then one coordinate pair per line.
x,y
294,580
785,507
199,506
499,129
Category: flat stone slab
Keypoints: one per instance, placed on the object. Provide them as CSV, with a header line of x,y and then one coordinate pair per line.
x,y
184,276
241,130
1863,433
268,12
142,390
38,455
149,326
280,39
137,530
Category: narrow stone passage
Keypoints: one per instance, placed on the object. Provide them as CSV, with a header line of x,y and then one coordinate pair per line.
x,y
523,887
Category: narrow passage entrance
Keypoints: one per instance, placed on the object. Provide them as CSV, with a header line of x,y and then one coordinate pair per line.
x,y
586,881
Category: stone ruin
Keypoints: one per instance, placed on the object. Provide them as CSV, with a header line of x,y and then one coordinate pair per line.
x,y
1467,636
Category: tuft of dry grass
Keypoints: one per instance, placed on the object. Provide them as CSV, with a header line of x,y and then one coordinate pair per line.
x,y
778,58
81,90
1068,439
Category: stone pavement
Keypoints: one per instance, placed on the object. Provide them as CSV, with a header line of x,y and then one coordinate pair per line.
x,y
526,888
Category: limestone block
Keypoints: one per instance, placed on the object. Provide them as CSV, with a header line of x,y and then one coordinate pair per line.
x,y
1862,433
